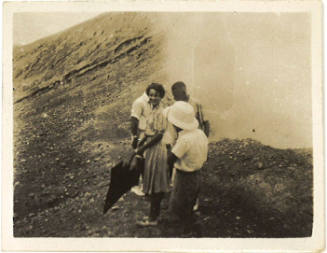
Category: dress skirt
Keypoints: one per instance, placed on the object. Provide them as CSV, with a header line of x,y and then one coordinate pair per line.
x,y
155,176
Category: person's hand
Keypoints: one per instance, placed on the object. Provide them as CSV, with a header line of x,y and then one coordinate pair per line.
x,y
134,142
138,151
133,164
126,161
127,157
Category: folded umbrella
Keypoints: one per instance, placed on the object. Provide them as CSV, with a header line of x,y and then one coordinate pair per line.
x,y
122,179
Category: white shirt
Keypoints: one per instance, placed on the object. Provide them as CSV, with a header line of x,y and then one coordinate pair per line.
x,y
140,110
170,135
191,149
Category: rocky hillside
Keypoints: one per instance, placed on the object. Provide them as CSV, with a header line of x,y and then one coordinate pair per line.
x,y
73,93
271,184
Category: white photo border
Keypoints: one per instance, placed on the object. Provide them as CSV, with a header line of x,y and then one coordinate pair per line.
x,y
310,244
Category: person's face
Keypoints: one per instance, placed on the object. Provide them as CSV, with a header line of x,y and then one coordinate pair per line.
x,y
180,94
154,97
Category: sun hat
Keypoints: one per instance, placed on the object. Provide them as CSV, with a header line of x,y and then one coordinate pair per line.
x,y
181,114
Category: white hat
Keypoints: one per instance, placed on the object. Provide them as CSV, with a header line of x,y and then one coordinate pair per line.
x,y
181,114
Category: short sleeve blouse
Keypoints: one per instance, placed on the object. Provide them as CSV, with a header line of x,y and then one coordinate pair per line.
x,y
155,121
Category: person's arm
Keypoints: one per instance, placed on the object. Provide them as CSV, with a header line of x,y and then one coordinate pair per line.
x,y
177,151
170,135
151,143
136,114
204,123
206,128
172,158
134,127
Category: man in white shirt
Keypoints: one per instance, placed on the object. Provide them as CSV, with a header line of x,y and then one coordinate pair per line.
x,y
180,93
187,156
139,112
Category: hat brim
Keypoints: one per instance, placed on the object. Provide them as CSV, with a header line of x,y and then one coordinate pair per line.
x,y
183,125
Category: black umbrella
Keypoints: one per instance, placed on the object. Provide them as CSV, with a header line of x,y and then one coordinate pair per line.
x,y
122,179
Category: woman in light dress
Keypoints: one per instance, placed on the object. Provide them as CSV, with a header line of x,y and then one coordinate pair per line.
x,y
155,176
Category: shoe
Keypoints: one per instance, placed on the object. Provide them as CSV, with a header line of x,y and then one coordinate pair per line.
x,y
137,190
147,223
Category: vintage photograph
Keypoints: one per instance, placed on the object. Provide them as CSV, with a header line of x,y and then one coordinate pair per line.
x,y
164,124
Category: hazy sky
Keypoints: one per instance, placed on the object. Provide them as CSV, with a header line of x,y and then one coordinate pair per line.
x,y
251,71
29,27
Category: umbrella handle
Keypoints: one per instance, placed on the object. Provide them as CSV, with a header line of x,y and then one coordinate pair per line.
x,y
142,141
131,159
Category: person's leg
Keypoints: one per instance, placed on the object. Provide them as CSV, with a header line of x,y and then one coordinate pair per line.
x,y
152,215
138,189
192,188
177,197
156,199
197,202
173,176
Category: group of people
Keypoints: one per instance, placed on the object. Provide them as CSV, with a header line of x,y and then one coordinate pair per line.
x,y
173,144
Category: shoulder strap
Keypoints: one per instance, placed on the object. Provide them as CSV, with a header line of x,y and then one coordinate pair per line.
x,y
199,114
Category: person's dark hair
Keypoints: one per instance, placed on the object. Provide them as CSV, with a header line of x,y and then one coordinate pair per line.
x,y
178,85
158,87
179,91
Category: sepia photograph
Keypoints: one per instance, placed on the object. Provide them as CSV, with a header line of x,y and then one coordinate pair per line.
x,y
180,122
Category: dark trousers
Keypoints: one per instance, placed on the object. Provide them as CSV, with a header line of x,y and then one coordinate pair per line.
x,y
183,196
155,201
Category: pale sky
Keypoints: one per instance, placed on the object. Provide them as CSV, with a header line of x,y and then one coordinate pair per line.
x,y
31,26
